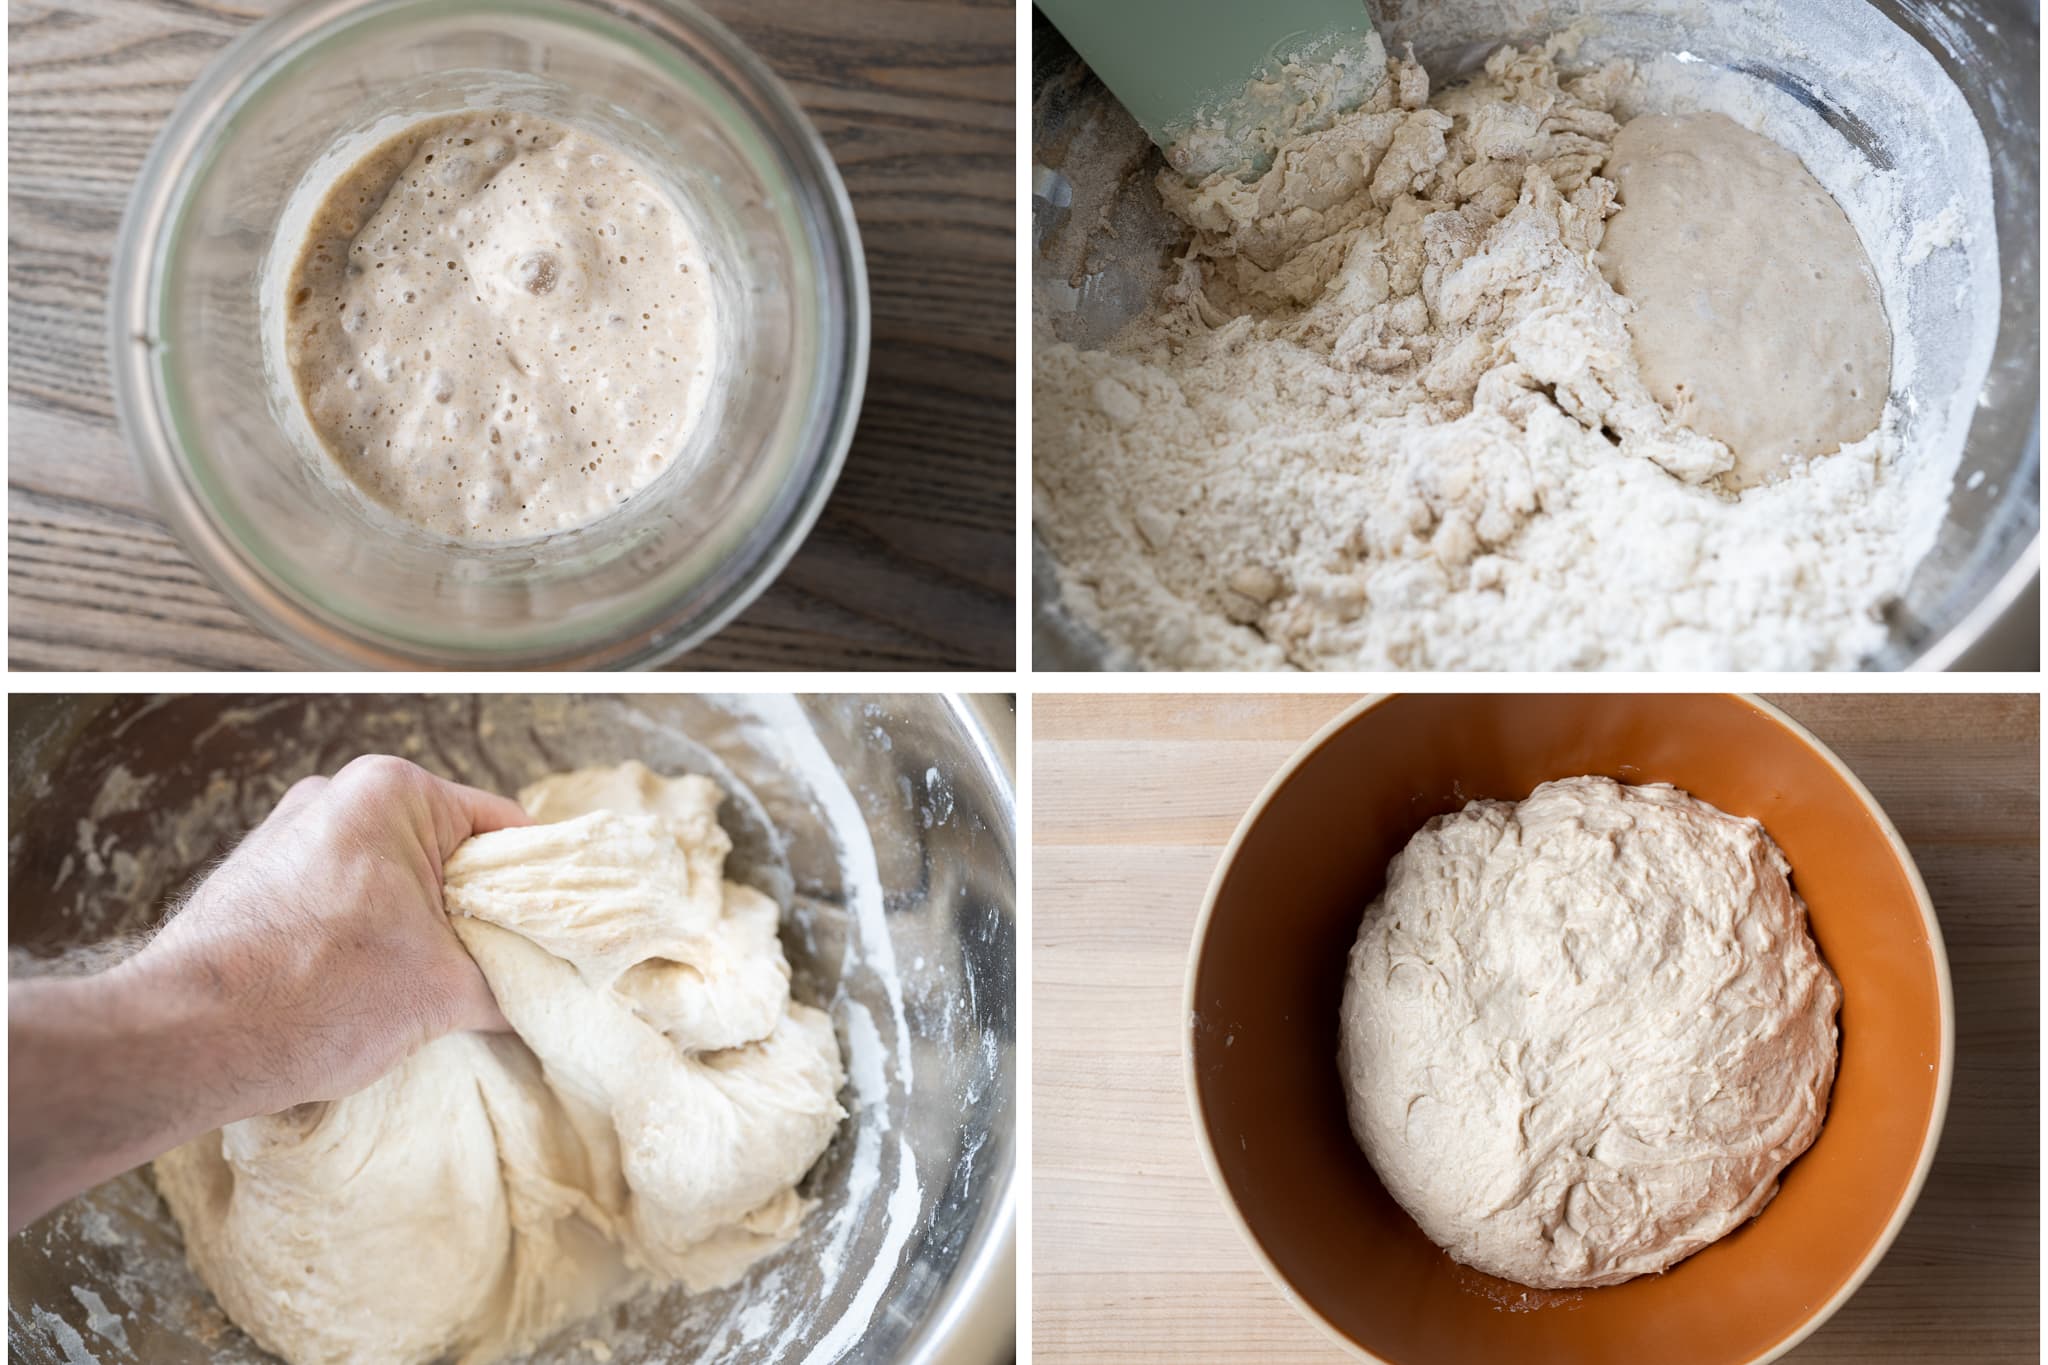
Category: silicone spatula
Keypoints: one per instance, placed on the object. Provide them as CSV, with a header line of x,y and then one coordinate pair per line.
x,y
1212,81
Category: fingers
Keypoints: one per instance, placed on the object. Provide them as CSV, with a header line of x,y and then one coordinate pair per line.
x,y
456,812
476,1009
480,812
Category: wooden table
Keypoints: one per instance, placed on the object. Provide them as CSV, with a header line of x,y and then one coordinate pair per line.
x,y
913,564
1134,797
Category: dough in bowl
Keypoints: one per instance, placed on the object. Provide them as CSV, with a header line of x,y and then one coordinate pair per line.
x,y
1584,1034
646,1123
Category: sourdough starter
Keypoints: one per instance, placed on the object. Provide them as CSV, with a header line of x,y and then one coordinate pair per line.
x,y
1773,343
499,327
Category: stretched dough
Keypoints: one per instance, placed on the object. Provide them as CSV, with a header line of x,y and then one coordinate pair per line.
x,y
647,1123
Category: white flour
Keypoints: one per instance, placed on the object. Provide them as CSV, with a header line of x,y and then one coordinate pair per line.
x,y
1387,416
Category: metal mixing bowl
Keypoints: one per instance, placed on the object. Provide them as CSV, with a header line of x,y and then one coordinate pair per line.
x,y
1973,601
116,802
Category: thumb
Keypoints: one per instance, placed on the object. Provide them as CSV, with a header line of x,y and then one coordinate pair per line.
x,y
466,811
475,1009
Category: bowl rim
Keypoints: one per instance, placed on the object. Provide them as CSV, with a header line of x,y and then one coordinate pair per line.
x,y
975,1312
1936,946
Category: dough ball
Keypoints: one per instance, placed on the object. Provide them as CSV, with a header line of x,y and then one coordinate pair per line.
x,y
1584,1034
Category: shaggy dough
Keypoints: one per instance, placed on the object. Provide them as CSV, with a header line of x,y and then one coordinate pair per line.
x,y
647,1124
1388,413
1583,1035
1756,318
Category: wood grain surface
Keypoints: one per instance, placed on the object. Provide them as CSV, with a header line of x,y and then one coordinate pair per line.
x,y
1134,797
913,564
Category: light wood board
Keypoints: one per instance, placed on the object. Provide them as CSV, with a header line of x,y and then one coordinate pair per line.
x,y
913,564
1133,799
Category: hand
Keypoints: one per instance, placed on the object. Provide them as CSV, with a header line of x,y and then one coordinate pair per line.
x,y
313,960
324,931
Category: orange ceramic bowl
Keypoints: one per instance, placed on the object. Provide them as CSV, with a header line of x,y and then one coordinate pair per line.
x,y
1268,971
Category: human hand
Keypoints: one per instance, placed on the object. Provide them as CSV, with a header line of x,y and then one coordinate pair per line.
x,y
324,933
313,960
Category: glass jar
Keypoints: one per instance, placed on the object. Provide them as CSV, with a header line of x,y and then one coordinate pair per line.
x,y
233,465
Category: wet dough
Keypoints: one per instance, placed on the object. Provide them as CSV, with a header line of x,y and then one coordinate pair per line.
x,y
647,1124
1757,319
500,327
1583,1034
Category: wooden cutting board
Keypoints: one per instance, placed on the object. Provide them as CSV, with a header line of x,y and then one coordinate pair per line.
x,y
1133,799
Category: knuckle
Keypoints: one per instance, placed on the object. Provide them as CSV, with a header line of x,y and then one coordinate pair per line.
x,y
382,770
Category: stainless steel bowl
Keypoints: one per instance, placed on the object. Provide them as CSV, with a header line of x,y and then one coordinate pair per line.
x,y
1099,238
117,802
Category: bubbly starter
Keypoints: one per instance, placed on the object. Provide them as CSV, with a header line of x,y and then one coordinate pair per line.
x,y
499,327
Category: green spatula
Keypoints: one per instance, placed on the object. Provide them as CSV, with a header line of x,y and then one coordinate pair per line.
x,y
1219,83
